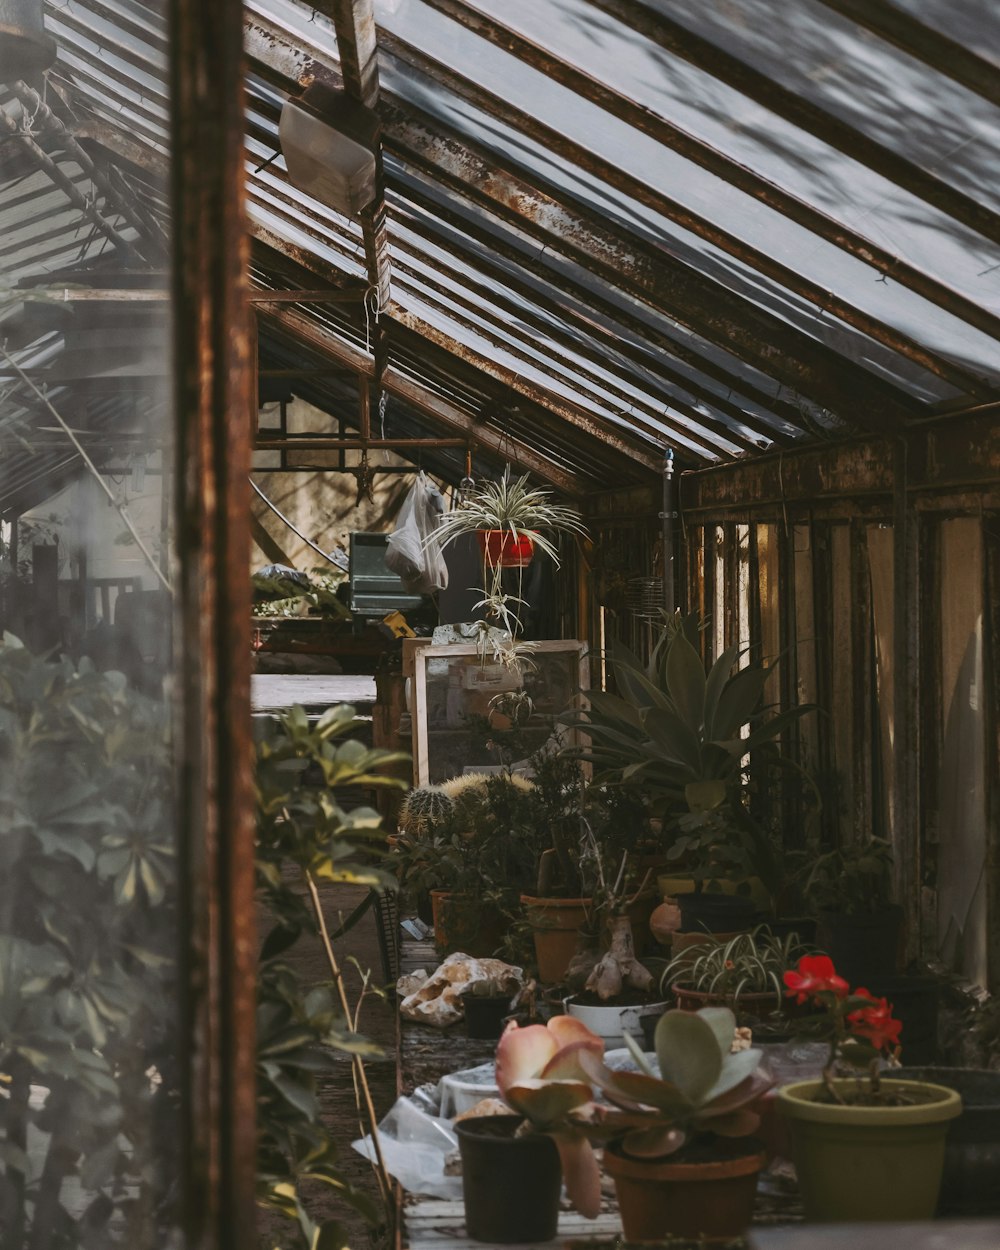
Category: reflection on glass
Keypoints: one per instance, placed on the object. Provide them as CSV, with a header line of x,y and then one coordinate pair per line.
x,y
88,910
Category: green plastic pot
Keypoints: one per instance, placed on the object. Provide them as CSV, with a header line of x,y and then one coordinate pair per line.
x,y
857,1163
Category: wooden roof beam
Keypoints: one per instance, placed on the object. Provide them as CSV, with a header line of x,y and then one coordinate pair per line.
x,y
423,399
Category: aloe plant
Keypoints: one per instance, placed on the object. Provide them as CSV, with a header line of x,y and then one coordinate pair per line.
x,y
540,1075
703,1088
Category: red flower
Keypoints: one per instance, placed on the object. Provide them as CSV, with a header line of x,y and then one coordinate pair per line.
x,y
875,1023
816,975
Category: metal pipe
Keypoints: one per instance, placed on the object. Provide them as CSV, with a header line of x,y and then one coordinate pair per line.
x,y
667,520
307,442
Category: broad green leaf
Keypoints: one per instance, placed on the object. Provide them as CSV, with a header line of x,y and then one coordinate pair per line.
x,y
686,683
688,1051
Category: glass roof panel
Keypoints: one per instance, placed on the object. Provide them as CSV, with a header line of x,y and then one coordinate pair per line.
x,y
751,222
728,121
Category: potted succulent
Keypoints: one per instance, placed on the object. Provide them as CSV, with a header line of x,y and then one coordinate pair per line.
x,y
513,1166
864,1148
613,990
679,1147
745,974
850,890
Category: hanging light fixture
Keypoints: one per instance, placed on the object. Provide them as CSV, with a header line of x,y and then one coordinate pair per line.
x,y
329,142
25,48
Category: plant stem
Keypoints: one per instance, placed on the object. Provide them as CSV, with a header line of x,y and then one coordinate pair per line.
x,y
360,1076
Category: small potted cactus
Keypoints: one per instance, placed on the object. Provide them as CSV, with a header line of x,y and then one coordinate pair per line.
x,y
679,1147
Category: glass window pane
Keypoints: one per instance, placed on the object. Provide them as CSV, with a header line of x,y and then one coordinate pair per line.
x,y
90,1130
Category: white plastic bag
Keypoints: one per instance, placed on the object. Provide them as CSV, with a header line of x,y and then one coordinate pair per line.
x,y
412,554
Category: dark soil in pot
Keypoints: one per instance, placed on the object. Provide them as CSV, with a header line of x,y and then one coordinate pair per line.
x,y
511,1185
485,1016
915,1001
969,1185
716,913
864,948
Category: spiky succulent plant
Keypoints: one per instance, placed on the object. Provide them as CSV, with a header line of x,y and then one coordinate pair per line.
x,y
703,1087
424,808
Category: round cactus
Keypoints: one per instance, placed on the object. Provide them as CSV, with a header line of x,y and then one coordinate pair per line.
x,y
423,808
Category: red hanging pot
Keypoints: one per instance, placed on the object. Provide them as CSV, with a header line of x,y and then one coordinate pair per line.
x,y
502,549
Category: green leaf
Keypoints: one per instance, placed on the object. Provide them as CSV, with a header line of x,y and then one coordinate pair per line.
x,y
688,1051
686,683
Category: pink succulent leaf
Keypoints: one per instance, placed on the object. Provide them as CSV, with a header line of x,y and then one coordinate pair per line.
x,y
565,1063
568,1029
634,1090
581,1174
740,1123
735,1070
546,1102
522,1054
750,1089
653,1143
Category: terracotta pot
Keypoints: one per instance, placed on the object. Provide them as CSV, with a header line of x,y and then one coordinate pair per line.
x,y
756,1004
504,550
465,923
556,924
660,1198
858,1163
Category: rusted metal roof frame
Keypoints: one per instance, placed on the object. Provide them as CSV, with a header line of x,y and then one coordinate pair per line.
x,y
647,273
637,407
285,63
480,262
642,333
924,43
591,423
773,346
565,339
420,397
676,39
354,22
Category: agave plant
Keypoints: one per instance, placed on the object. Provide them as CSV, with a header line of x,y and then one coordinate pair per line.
x,y
693,739
540,1075
703,1087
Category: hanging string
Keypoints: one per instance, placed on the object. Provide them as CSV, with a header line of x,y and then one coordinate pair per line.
x,y
373,311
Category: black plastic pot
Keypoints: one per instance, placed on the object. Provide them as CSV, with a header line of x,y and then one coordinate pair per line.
x,y
511,1185
864,947
915,1002
804,927
972,1152
716,913
484,1016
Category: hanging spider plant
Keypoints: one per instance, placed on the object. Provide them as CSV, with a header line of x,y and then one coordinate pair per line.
x,y
513,507
507,516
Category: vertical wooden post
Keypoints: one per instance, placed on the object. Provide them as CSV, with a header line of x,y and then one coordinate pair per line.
x,y
907,703
213,398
